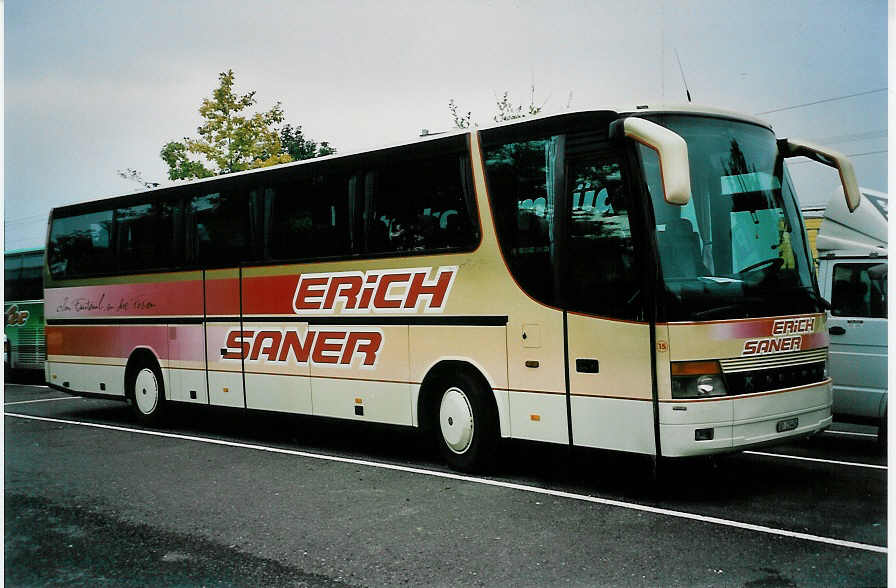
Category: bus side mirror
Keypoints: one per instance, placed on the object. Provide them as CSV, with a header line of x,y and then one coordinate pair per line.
x,y
671,150
831,158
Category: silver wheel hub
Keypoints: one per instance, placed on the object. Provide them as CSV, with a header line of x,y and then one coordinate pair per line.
x,y
146,391
456,420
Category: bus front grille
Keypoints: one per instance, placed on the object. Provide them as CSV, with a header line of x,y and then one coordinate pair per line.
x,y
751,382
775,360
30,351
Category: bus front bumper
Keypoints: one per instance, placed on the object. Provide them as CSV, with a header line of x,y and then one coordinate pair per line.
x,y
735,423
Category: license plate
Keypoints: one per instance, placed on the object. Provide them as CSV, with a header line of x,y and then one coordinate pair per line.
x,y
787,425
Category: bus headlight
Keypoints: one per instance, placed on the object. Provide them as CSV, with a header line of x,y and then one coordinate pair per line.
x,y
697,379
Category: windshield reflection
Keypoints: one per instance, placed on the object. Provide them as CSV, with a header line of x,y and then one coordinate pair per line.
x,y
737,249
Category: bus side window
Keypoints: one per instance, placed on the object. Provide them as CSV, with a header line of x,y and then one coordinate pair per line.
x,y
418,205
136,237
307,217
82,245
218,229
521,189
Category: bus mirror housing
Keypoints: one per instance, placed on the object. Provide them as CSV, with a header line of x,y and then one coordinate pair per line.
x,y
672,152
830,158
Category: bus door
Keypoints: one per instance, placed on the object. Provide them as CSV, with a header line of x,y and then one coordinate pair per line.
x,y
225,339
278,348
218,237
608,338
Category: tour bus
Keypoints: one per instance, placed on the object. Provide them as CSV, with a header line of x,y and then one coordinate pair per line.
x,y
635,280
24,345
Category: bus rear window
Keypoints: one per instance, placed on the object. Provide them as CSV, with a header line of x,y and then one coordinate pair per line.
x,y
81,245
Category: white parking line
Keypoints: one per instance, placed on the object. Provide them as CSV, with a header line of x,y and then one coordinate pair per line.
x,y
850,433
831,461
42,400
475,480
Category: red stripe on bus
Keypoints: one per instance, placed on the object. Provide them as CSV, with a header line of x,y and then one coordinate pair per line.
x,y
109,341
763,327
269,295
182,298
222,297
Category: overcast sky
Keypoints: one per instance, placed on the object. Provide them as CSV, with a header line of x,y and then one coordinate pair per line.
x,y
92,87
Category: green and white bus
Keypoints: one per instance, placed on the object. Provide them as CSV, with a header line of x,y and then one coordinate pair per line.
x,y
25,343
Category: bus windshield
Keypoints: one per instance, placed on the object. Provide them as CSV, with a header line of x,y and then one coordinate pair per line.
x,y
24,276
737,248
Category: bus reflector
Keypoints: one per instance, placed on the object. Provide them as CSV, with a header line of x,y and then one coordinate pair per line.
x,y
226,390
358,401
695,368
535,417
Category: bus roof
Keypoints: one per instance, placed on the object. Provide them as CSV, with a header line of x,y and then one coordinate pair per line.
x,y
639,110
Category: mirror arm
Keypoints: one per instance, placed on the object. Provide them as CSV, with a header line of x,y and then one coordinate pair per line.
x,y
798,148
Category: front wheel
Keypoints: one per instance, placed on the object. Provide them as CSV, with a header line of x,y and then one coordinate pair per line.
x,y
146,390
466,421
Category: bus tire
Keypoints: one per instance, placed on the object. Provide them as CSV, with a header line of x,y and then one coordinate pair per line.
x,y
146,391
465,422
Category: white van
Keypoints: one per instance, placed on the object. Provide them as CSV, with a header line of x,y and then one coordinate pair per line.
x,y
852,276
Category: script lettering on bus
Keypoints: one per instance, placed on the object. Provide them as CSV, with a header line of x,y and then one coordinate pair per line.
x,y
786,335
100,304
335,347
387,291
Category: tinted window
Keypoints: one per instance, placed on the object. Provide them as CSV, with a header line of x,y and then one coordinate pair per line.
x,y
218,229
561,211
146,237
418,206
24,276
12,269
307,218
82,245
603,277
859,289
521,186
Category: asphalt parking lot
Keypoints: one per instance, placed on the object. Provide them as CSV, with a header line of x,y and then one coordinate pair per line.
x,y
227,498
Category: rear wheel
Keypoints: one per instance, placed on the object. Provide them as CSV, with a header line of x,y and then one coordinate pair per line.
x,y
146,389
466,422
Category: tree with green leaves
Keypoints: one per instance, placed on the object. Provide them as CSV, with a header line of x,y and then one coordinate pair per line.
x,y
233,139
294,142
